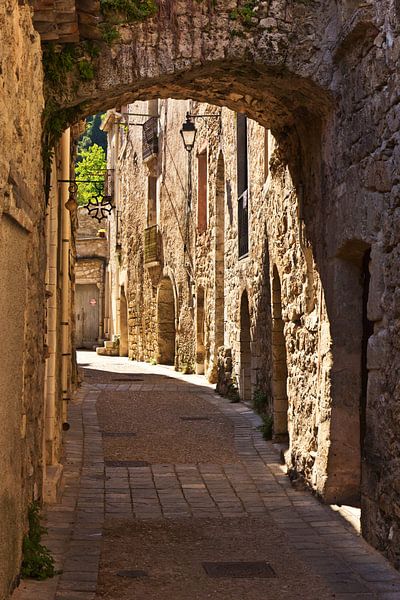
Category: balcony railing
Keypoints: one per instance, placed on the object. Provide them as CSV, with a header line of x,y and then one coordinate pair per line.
x,y
150,138
152,246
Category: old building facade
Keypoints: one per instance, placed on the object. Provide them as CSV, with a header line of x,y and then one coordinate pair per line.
x,y
213,265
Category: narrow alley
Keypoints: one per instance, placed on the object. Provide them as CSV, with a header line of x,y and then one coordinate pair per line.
x,y
172,493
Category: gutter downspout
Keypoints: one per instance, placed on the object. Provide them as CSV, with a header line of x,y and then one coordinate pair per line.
x,y
65,280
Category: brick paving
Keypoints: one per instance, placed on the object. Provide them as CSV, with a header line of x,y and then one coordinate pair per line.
x,y
252,487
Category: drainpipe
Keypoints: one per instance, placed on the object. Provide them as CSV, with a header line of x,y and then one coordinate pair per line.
x,y
51,286
65,281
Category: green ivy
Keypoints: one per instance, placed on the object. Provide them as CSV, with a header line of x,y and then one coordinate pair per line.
x,y
37,562
109,33
86,70
130,10
55,121
58,62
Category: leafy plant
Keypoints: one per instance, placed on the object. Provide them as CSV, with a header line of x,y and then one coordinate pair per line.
x,y
92,135
91,167
109,33
37,562
57,62
245,13
152,361
260,401
267,427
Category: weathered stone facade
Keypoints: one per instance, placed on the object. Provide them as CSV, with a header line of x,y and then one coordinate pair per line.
x,y
254,306
295,354
324,77
34,385
22,265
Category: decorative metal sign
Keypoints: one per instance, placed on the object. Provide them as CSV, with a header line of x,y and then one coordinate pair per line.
x,y
99,207
100,204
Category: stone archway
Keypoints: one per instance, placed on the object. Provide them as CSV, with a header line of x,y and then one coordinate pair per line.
x,y
201,50
351,330
166,331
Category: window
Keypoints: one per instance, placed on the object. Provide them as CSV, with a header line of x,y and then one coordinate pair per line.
x,y
242,185
202,192
151,201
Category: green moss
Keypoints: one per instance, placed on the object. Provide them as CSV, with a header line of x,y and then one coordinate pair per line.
x,y
129,10
109,33
58,62
86,70
70,59
245,13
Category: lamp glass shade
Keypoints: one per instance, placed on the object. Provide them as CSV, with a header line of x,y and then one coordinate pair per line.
x,y
188,133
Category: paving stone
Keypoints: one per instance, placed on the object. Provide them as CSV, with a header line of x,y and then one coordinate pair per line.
x,y
256,486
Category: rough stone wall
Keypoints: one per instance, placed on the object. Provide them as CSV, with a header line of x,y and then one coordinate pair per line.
x,y
22,263
361,212
141,282
324,77
89,270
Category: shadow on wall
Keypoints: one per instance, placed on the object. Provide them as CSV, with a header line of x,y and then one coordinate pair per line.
x,y
261,353
245,349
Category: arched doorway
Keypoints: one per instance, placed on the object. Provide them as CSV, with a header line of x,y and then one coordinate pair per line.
x,y
351,330
279,364
245,350
166,323
200,323
219,257
123,324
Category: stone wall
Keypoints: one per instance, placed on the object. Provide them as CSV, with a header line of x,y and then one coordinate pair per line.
x,y
197,263
22,264
324,77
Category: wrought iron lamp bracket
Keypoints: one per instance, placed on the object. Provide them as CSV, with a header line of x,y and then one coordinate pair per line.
x,y
99,205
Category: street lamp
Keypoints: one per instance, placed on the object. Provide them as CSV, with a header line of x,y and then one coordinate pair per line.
x,y
188,133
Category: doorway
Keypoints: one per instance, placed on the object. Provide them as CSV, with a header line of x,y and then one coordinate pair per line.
x,y
166,323
87,315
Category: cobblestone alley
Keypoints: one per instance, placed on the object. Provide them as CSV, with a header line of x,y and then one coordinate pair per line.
x,y
163,479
